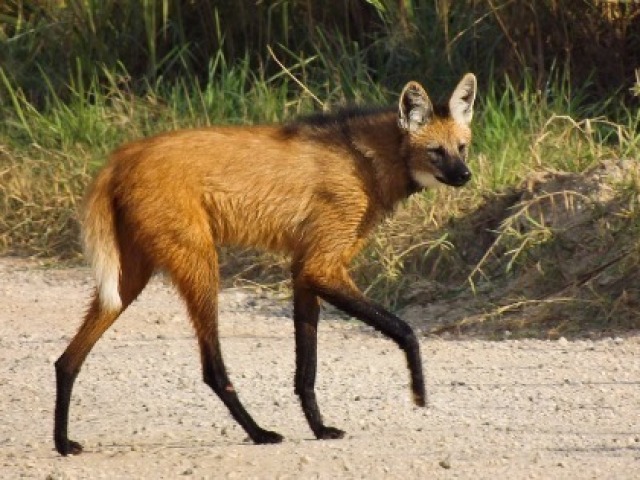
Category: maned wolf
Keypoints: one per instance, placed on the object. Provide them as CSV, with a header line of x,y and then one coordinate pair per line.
x,y
314,188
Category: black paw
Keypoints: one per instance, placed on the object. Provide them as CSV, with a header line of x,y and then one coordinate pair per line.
x,y
329,433
68,447
265,436
420,398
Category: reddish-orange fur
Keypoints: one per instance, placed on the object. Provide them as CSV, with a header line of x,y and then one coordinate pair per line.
x,y
314,189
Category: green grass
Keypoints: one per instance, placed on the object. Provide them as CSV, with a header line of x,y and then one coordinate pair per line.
x,y
61,120
520,135
517,131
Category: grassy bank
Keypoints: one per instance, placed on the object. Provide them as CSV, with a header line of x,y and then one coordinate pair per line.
x,y
429,249
503,248
49,154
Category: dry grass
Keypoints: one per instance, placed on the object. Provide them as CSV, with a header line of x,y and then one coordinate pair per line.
x,y
557,255
544,242
39,194
501,254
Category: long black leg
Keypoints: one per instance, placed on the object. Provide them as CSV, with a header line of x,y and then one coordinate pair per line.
x,y
343,295
305,314
197,280
136,272
67,369
215,376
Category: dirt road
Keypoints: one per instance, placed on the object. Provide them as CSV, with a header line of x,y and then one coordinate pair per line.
x,y
512,409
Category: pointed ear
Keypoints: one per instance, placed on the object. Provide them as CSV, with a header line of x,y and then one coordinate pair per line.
x,y
414,108
462,98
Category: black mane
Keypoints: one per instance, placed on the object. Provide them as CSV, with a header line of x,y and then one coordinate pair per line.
x,y
330,123
339,116
344,114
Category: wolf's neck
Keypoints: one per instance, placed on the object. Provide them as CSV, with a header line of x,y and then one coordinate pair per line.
x,y
382,149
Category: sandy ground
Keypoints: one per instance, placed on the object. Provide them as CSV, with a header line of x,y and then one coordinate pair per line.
x,y
511,409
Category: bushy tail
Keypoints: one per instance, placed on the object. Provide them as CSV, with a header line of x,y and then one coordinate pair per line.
x,y
100,241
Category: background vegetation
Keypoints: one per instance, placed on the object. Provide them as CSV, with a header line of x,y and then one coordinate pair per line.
x,y
559,85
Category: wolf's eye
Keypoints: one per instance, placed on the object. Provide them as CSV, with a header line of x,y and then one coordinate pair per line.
x,y
462,148
437,152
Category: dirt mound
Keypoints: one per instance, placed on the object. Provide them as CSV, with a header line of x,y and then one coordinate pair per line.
x,y
556,255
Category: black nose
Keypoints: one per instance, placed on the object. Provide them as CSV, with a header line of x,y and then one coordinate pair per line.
x,y
465,176
460,177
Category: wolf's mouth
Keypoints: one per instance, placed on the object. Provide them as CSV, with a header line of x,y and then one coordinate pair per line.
x,y
458,182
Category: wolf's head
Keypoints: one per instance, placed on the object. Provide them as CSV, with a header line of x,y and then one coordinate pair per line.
x,y
438,137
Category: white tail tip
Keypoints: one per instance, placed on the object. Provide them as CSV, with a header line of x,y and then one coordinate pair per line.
x,y
110,298
107,277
